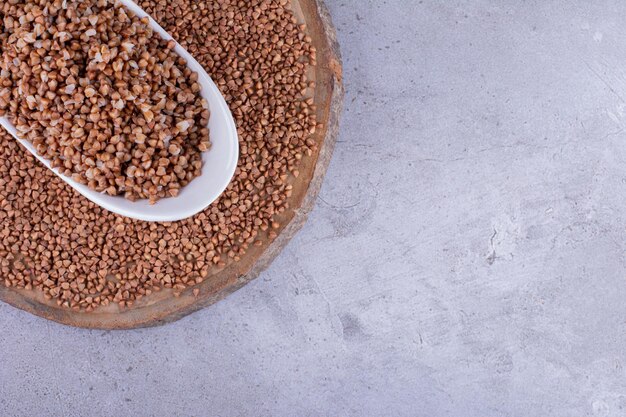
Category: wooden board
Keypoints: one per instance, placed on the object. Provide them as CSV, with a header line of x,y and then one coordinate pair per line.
x,y
163,307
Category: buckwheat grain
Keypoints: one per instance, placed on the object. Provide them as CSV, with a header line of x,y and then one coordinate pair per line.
x,y
51,236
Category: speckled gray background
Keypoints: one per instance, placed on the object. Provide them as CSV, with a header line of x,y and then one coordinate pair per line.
x,y
465,258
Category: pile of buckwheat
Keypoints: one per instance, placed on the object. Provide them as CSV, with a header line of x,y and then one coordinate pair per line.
x,y
102,96
54,240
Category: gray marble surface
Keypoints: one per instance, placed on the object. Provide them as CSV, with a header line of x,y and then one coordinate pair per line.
x,y
465,258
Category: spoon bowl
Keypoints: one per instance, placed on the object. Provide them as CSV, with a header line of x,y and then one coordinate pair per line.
x,y
219,162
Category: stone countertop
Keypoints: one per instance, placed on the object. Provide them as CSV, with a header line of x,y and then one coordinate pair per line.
x,y
465,258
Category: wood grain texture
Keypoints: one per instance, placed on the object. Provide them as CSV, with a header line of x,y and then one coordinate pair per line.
x,y
163,307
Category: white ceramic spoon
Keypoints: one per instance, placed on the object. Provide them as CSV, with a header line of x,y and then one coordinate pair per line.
x,y
220,161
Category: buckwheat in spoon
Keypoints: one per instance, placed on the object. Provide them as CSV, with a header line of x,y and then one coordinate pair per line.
x,y
105,98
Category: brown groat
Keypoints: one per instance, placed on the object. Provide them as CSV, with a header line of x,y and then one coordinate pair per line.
x,y
54,240
102,96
